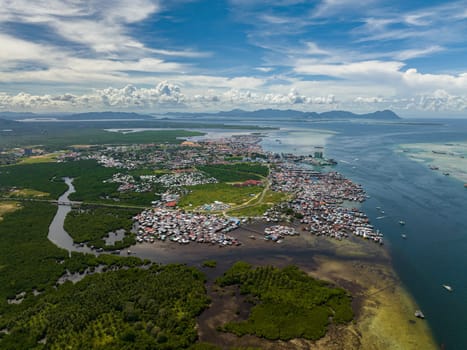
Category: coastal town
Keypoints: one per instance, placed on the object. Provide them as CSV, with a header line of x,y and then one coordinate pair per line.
x,y
237,180
320,201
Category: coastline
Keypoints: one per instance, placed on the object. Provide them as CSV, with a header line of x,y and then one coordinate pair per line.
x,y
384,310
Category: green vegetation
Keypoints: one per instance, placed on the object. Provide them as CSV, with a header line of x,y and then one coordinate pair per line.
x,y
46,158
57,137
270,199
288,303
48,177
28,259
92,225
208,193
235,172
8,207
210,263
126,309
88,181
26,193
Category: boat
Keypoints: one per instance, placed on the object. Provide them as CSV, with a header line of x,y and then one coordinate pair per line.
x,y
401,222
419,314
380,217
446,174
404,236
448,287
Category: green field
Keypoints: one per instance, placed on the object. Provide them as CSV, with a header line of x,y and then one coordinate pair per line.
x,y
208,193
258,208
235,172
288,304
46,158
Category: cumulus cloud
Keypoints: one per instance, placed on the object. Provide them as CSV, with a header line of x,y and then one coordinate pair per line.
x,y
167,96
163,95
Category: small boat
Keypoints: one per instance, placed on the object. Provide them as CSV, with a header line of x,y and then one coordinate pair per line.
x,y
448,287
446,174
401,222
380,217
419,314
404,236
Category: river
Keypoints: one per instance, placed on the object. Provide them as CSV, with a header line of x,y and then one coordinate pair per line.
x,y
57,233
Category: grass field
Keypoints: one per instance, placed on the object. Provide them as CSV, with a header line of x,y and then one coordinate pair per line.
x,y
258,208
236,172
7,207
45,158
27,193
205,194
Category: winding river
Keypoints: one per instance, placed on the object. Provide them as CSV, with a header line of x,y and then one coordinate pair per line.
x,y
57,234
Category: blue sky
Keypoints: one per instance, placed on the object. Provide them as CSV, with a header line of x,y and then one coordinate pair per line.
x,y
156,56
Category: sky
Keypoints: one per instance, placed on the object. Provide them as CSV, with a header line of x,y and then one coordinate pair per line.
x,y
185,55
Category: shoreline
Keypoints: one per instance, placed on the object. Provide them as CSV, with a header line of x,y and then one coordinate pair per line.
x,y
384,309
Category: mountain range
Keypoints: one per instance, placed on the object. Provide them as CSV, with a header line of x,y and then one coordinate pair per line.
x,y
236,113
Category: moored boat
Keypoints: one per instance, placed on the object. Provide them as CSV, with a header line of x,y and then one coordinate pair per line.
x,y
448,287
419,314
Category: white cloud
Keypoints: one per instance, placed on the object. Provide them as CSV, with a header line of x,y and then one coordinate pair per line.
x,y
366,70
106,50
163,95
98,24
333,7
167,96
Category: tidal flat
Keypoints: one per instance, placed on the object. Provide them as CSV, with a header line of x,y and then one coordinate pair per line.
x,y
384,310
446,158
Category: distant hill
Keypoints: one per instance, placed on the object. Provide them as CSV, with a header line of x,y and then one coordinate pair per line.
x,y
290,113
235,113
105,115
378,115
5,123
17,115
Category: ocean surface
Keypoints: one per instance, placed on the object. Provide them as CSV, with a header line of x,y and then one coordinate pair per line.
x,y
433,206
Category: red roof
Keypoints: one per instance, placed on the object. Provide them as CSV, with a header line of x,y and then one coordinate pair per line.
x,y
171,204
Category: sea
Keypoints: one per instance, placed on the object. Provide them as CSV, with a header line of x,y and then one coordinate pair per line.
x,y
433,206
